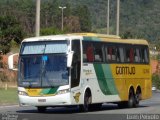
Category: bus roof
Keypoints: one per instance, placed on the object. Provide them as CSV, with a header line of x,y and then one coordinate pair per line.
x,y
97,35
88,37
111,38
127,41
52,37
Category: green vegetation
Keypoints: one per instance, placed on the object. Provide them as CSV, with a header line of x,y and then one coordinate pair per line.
x,y
15,22
50,31
156,81
8,96
1,63
138,18
84,18
9,30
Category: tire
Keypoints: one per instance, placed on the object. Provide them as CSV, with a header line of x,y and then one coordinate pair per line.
x,y
87,103
137,98
131,100
41,109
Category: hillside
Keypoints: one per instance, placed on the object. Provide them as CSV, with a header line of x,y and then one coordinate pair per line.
x,y
138,18
141,18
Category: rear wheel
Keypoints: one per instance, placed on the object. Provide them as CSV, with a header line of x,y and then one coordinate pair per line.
x,y
137,98
41,109
131,100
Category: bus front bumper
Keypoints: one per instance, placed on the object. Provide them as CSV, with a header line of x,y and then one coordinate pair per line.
x,y
57,100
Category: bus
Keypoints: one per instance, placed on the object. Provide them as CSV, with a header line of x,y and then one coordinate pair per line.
x,y
84,70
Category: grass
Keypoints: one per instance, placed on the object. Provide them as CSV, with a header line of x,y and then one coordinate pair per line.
x,y
8,96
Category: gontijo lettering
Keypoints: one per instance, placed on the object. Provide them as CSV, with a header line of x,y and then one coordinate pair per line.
x,y
125,70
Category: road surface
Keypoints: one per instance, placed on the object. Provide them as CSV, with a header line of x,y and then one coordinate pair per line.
x,y
150,107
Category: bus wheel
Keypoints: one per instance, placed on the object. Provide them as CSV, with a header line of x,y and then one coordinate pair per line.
x,y
137,98
131,100
41,109
87,102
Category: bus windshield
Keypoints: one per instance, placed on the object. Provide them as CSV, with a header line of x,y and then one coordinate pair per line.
x,y
43,69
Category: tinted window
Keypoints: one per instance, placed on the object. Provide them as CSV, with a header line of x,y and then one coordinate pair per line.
x,y
88,52
98,52
76,63
115,53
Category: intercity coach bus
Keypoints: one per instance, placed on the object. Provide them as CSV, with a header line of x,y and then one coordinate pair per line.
x,y
84,69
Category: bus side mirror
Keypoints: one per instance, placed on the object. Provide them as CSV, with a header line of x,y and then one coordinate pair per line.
x,y
69,58
11,65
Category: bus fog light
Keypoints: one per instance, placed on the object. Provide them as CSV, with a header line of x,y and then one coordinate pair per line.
x,y
22,93
63,91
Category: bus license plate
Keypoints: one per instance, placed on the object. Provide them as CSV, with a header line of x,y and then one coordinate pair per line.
x,y
41,100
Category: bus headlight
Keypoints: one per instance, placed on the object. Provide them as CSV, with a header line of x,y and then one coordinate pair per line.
x,y
22,93
63,91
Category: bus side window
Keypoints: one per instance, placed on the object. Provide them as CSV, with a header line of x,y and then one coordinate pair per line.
x,y
88,53
114,52
84,58
127,59
109,54
144,55
98,55
129,55
118,55
136,55
121,53
103,53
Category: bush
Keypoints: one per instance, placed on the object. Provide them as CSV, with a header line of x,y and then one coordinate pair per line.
x,y
156,80
3,77
50,31
1,63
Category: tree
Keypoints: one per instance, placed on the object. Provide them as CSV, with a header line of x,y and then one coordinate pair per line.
x,y
49,13
68,10
1,63
9,30
84,17
50,31
127,35
156,80
72,24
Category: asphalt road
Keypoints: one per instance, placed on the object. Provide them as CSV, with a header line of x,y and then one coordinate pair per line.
x,y
111,111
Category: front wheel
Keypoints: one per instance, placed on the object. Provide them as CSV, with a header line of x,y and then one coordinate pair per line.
x,y
87,102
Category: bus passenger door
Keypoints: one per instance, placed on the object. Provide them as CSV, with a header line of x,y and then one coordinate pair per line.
x,y
76,64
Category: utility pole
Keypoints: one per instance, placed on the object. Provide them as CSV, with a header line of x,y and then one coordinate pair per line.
x,y
118,7
62,15
38,3
108,8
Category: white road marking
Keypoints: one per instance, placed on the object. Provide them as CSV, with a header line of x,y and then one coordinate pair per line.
x,y
8,106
